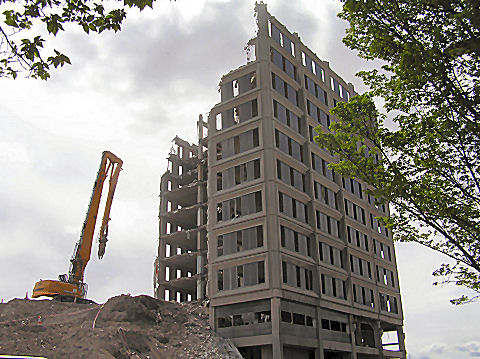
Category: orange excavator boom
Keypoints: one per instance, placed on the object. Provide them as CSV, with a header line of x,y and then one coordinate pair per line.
x,y
73,286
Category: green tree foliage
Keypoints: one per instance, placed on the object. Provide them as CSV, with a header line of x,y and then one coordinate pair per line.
x,y
25,17
427,166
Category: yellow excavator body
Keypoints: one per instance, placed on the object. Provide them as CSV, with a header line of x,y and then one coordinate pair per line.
x,y
52,288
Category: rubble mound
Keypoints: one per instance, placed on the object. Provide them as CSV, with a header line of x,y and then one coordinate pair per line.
x,y
124,327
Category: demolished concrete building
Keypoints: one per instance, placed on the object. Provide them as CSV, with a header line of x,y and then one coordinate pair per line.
x,y
289,253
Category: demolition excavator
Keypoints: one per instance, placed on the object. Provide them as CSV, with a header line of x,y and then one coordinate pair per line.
x,y
72,287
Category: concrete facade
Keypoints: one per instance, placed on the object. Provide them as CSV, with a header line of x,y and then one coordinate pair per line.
x,y
288,253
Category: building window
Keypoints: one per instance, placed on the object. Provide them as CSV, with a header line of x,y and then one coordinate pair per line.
x,y
237,144
334,325
385,277
239,174
236,115
295,241
353,186
388,303
382,250
364,296
297,319
286,116
282,39
288,145
377,226
333,287
328,224
292,207
331,255
325,195
241,319
297,276
238,86
239,206
314,67
377,203
354,211
316,90
220,279
290,176
360,266
339,89
284,89
319,115
245,239
282,63
357,238
244,275
321,166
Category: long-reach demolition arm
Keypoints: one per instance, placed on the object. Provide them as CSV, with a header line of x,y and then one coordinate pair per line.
x,y
81,255
73,286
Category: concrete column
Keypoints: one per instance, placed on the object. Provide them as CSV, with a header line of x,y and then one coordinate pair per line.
x,y
277,346
353,327
378,331
401,341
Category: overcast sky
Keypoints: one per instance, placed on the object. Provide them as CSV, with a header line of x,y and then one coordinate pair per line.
x,y
131,93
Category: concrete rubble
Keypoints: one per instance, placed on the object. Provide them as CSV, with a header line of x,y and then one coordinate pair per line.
x,y
123,327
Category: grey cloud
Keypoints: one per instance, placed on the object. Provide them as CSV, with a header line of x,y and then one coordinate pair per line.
x,y
153,63
34,245
473,348
156,55
296,18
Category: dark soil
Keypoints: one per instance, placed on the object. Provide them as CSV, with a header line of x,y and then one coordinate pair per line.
x,y
124,327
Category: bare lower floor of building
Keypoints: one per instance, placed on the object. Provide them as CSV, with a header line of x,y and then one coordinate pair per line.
x,y
296,352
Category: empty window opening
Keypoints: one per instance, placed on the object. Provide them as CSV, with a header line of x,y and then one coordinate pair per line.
x,y
366,336
390,340
178,296
236,88
218,122
241,319
220,279
220,245
167,250
167,274
178,273
167,295
241,276
189,297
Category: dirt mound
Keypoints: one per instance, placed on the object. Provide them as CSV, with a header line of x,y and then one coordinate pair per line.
x,y
124,327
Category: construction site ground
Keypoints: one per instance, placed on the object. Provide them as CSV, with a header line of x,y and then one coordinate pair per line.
x,y
123,327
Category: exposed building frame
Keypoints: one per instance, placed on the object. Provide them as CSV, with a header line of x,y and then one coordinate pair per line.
x,y
297,264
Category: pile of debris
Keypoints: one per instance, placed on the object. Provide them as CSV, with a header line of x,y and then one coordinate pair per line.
x,y
124,327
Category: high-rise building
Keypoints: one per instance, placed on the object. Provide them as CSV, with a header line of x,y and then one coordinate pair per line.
x,y
289,254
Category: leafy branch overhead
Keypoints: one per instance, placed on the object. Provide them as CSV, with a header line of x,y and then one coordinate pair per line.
x,y
428,165
22,50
